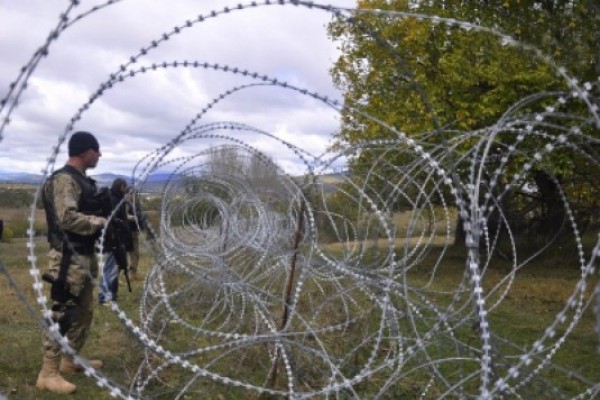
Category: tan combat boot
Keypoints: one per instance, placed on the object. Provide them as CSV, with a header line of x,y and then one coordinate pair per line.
x,y
50,379
68,366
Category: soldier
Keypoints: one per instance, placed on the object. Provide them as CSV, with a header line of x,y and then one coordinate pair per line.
x,y
70,203
117,243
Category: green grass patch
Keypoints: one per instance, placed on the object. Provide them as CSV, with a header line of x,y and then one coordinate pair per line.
x,y
451,349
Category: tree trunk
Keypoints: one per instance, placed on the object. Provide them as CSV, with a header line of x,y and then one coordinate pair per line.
x,y
459,233
553,211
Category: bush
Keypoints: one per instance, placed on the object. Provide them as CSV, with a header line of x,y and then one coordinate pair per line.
x,y
18,222
7,234
19,226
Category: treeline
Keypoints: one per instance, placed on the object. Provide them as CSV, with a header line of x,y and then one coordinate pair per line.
x,y
16,198
445,87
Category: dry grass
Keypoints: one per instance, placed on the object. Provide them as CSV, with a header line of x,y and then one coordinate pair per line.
x,y
10,215
398,243
20,186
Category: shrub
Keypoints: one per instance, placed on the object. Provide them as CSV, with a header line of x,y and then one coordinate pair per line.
x,y
7,234
19,227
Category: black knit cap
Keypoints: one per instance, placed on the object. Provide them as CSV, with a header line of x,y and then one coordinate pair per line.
x,y
82,141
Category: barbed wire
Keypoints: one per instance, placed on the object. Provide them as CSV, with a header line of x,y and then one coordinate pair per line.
x,y
268,287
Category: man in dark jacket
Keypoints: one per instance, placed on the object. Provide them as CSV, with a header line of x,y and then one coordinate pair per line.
x,y
116,244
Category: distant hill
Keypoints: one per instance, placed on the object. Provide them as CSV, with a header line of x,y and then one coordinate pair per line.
x,y
154,183
105,179
20,177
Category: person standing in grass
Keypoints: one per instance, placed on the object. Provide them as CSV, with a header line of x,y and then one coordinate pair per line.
x,y
117,243
71,205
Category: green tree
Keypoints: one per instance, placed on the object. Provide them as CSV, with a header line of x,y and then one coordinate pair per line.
x,y
444,85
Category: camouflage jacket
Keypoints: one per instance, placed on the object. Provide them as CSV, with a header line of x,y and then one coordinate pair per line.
x,y
65,194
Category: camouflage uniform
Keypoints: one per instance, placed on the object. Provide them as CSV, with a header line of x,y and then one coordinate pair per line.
x,y
65,193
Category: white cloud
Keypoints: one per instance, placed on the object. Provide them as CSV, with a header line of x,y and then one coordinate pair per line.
x,y
142,113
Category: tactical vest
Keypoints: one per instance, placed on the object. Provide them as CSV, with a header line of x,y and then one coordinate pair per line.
x,y
88,204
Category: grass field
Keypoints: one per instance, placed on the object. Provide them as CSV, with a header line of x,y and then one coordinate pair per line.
x,y
537,294
20,338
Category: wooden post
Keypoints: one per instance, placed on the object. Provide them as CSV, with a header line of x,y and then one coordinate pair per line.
x,y
289,287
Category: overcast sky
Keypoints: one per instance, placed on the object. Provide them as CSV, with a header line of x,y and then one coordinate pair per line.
x,y
142,113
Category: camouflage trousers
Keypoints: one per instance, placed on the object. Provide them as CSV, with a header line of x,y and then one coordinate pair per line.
x,y
81,286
